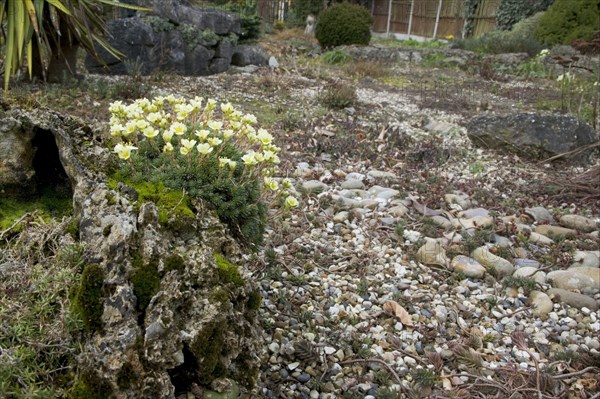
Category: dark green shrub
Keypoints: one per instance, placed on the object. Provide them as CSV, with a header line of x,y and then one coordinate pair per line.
x,y
251,26
512,11
334,57
344,23
568,20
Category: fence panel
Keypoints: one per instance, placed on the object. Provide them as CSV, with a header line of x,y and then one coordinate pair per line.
x,y
451,18
485,19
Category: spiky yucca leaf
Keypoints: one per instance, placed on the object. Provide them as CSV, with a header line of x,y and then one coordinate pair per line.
x,y
24,18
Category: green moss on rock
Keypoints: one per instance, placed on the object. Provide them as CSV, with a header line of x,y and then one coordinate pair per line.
x,y
206,347
89,386
254,301
174,263
88,297
145,280
227,271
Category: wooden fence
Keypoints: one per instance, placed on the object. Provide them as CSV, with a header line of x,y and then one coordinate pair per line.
x,y
431,18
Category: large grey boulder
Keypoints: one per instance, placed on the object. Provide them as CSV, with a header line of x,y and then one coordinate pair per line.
x,y
174,37
534,136
249,55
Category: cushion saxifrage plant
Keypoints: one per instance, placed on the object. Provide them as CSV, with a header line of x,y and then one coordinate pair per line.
x,y
212,152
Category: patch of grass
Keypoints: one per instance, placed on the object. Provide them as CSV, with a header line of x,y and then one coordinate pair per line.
x,y
39,336
365,68
48,205
393,43
527,283
335,57
338,95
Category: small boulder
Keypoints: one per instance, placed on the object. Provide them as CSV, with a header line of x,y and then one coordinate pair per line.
x,y
498,266
572,299
533,136
541,303
581,223
249,55
467,266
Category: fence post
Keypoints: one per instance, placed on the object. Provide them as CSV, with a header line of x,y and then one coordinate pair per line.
x,y
412,8
389,18
437,18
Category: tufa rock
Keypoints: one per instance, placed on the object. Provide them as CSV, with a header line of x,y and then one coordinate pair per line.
x,y
249,55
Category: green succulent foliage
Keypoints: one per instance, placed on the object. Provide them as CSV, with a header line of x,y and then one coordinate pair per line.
x,y
344,23
512,11
569,20
235,199
89,386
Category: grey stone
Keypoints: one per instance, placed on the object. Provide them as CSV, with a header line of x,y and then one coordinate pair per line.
x,y
540,214
249,55
350,184
218,65
581,223
17,175
534,136
520,262
576,279
554,231
573,299
273,64
468,266
314,186
498,266
379,174
224,49
341,216
531,272
586,259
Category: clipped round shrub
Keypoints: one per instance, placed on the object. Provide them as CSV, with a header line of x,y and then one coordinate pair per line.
x,y
568,20
344,23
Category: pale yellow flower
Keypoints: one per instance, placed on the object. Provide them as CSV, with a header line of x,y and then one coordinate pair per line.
x,y
130,128
264,137
204,148
227,108
215,125
214,141
270,183
286,183
141,124
123,150
150,132
250,158
227,134
116,130
179,128
168,147
196,102
202,134
291,202
167,135
249,119
189,144
154,117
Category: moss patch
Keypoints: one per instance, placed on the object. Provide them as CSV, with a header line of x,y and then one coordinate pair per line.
x,y
48,206
254,300
174,263
227,271
145,280
89,386
169,202
206,347
88,297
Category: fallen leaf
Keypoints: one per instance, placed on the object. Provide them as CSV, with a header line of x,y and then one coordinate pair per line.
x,y
395,309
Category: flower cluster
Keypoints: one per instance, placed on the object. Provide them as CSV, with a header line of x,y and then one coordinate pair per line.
x,y
196,131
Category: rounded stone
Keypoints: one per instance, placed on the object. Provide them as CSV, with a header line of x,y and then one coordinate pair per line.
x,y
467,266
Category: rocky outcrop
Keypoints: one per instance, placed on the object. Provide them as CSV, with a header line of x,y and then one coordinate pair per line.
x,y
533,136
177,38
175,307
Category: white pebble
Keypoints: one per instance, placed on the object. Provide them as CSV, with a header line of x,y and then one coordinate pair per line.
x,y
293,366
